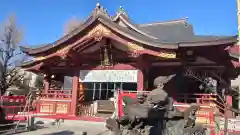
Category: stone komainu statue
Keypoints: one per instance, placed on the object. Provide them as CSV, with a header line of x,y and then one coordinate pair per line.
x,y
154,114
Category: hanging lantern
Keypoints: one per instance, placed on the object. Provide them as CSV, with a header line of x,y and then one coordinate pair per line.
x,y
52,76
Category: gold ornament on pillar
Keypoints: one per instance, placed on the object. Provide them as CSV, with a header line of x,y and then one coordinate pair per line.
x,y
106,55
80,92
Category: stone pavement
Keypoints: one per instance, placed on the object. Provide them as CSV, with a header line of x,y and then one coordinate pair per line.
x,y
71,128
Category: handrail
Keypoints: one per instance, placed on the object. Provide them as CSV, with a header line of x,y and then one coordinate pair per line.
x,y
200,94
58,91
226,107
13,97
200,97
197,94
196,97
57,94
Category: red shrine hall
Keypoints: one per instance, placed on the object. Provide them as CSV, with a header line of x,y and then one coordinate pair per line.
x,y
109,53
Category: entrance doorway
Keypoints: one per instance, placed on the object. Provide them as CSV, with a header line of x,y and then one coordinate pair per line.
x,y
99,88
105,90
101,84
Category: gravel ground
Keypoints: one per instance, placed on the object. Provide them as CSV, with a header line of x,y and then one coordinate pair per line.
x,y
71,128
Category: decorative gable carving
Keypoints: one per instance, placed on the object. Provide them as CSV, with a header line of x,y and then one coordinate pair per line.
x,y
98,32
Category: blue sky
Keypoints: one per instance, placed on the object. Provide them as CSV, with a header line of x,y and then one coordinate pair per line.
x,y
43,20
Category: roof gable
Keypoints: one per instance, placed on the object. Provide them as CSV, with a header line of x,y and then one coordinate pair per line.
x,y
168,35
175,31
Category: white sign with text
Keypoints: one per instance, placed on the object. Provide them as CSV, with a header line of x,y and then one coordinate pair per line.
x,y
108,76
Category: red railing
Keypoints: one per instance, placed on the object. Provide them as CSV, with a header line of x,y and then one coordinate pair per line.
x,y
86,109
195,98
13,100
57,94
54,102
205,101
13,106
184,98
209,104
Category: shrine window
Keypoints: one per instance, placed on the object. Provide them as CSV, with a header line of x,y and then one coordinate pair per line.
x,y
129,86
105,90
101,84
68,81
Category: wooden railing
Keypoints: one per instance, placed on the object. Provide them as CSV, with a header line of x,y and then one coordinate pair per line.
x,y
186,98
86,109
54,102
12,105
195,98
182,102
213,101
57,94
99,108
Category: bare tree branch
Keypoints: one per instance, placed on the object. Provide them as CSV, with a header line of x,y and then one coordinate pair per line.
x,y
10,39
222,105
71,25
201,75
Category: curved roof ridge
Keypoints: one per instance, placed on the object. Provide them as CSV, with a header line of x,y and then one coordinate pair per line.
x,y
134,27
95,14
98,10
50,45
100,15
182,20
213,41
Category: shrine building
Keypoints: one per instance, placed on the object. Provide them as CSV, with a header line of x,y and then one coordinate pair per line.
x,y
108,53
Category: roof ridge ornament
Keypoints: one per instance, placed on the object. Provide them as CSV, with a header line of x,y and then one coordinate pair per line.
x,y
100,10
122,11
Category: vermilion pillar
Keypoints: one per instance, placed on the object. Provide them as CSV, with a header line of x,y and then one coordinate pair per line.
x,y
140,84
229,103
140,65
74,92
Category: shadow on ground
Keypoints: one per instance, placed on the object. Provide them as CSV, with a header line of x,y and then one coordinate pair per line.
x,y
22,129
61,133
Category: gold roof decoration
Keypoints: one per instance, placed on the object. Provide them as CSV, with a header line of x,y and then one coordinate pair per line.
x,y
122,11
62,53
100,10
99,31
167,55
39,58
64,50
135,47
